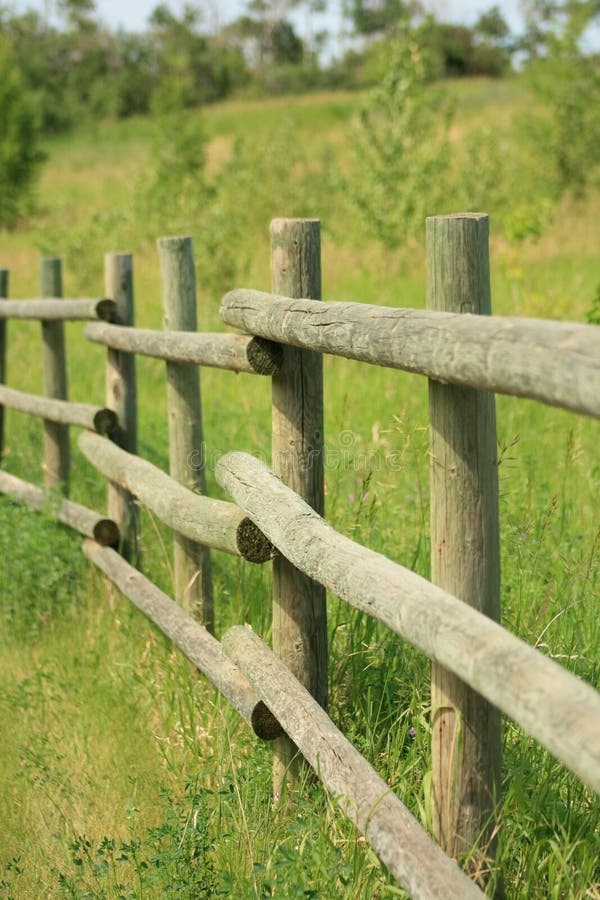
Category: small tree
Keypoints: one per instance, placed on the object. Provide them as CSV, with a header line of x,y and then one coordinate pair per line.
x,y
20,157
401,147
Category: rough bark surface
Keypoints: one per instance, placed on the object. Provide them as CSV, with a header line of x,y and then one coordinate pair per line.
x,y
214,523
557,363
56,454
191,561
56,310
401,843
465,552
299,607
559,710
121,396
234,352
63,412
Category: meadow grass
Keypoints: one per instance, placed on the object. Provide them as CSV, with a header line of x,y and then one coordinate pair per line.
x,y
122,774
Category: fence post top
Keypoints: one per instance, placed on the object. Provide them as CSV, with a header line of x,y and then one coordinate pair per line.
x,y
464,215
174,240
282,221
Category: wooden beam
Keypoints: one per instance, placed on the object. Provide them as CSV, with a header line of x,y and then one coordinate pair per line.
x,y
557,363
56,455
61,412
556,708
214,523
234,352
121,396
191,561
392,831
465,552
299,607
57,310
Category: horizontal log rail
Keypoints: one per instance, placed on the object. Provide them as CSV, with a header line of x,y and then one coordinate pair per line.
x,y
87,522
235,352
420,866
214,523
557,363
96,418
559,710
56,309
193,639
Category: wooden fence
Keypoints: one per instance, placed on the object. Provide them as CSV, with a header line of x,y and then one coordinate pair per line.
x,y
478,668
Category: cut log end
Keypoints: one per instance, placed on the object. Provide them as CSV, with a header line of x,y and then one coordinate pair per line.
x,y
105,421
252,543
264,356
106,533
264,723
106,310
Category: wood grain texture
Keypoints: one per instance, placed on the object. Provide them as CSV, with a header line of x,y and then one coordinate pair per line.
x,y
465,552
61,412
4,282
80,518
556,708
56,454
193,639
191,561
299,606
214,523
392,831
121,396
557,363
55,309
234,352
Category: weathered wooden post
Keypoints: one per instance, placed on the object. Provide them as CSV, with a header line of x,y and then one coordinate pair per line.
x,y
192,572
121,396
3,295
299,608
465,551
56,453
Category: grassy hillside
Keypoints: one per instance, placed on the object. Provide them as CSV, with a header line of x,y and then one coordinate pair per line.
x,y
121,773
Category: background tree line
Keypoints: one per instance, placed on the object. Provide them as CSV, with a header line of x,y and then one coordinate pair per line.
x,y
74,66
62,68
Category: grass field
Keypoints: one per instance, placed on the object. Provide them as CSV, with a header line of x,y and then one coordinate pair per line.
x,y
121,773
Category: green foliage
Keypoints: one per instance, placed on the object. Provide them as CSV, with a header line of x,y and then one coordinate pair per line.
x,y
84,673
42,565
401,145
592,316
172,859
20,156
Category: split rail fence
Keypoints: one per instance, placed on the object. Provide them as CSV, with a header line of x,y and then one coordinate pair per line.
x,y
478,668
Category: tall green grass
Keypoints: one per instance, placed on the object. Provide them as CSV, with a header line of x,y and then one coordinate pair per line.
x,y
122,773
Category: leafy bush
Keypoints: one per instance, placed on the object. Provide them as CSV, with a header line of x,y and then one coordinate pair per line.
x,y
20,157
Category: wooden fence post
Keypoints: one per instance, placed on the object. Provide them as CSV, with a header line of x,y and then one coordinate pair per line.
x,y
56,453
121,396
192,571
3,295
465,552
299,607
